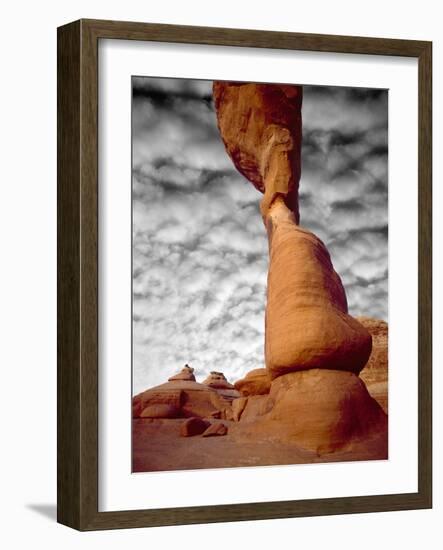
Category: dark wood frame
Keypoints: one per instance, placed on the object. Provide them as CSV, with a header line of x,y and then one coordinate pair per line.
x,y
77,456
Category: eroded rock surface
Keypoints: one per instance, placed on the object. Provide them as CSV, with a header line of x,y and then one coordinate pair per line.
x,y
187,397
320,410
256,406
375,373
193,426
260,125
307,324
216,429
314,349
256,382
226,390
309,404
187,373
218,380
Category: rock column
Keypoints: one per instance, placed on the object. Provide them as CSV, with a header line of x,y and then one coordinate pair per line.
x,y
307,326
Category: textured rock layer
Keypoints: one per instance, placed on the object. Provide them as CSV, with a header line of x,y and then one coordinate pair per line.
x,y
193,426
225,390
307,325
216,429
218,380
187,397
182,396
375,373
321,410
261,128
256,382
187,373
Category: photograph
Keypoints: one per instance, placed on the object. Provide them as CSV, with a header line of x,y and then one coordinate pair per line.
x,y
259,274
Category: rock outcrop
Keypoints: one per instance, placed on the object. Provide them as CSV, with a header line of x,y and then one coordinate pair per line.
x,y
314,349
216,429
160,410
307,325
320,410
187,373
254,407
324,410
218,382
375,373
256,382
324,388
260,125
186,397
193,426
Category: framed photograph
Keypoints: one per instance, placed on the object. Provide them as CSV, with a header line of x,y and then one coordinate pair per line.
x,y
244,275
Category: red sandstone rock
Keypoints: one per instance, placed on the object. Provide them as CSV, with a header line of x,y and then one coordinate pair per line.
x,y
238,406
256,382
226,391
261,128
165,394
191,398
187,373
218,428
316,403
160,410
256,406
228,396
322,410
136,406
375,373
307,325
193,426
218,380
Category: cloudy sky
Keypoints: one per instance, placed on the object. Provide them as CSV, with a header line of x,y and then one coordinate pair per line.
x,y
199,245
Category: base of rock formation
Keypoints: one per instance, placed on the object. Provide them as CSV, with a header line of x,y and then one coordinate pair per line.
x,y
186,397
320,410
306,417
193,426
311,416
158,446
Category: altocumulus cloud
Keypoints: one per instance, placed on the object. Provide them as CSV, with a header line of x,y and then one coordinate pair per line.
x,y
199,246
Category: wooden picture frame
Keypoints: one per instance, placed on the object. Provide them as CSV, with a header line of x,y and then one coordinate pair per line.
x,y
77,455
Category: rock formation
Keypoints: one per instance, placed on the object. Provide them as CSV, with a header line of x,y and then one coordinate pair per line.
x,y
159,410
218,380
307,325
227,391
251,408
218,428
256,382
187,373
323,410
321,394
181,396
314,349
375,373
193,426
260,125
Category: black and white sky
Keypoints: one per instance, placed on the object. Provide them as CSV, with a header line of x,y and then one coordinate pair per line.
x,y
200,252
